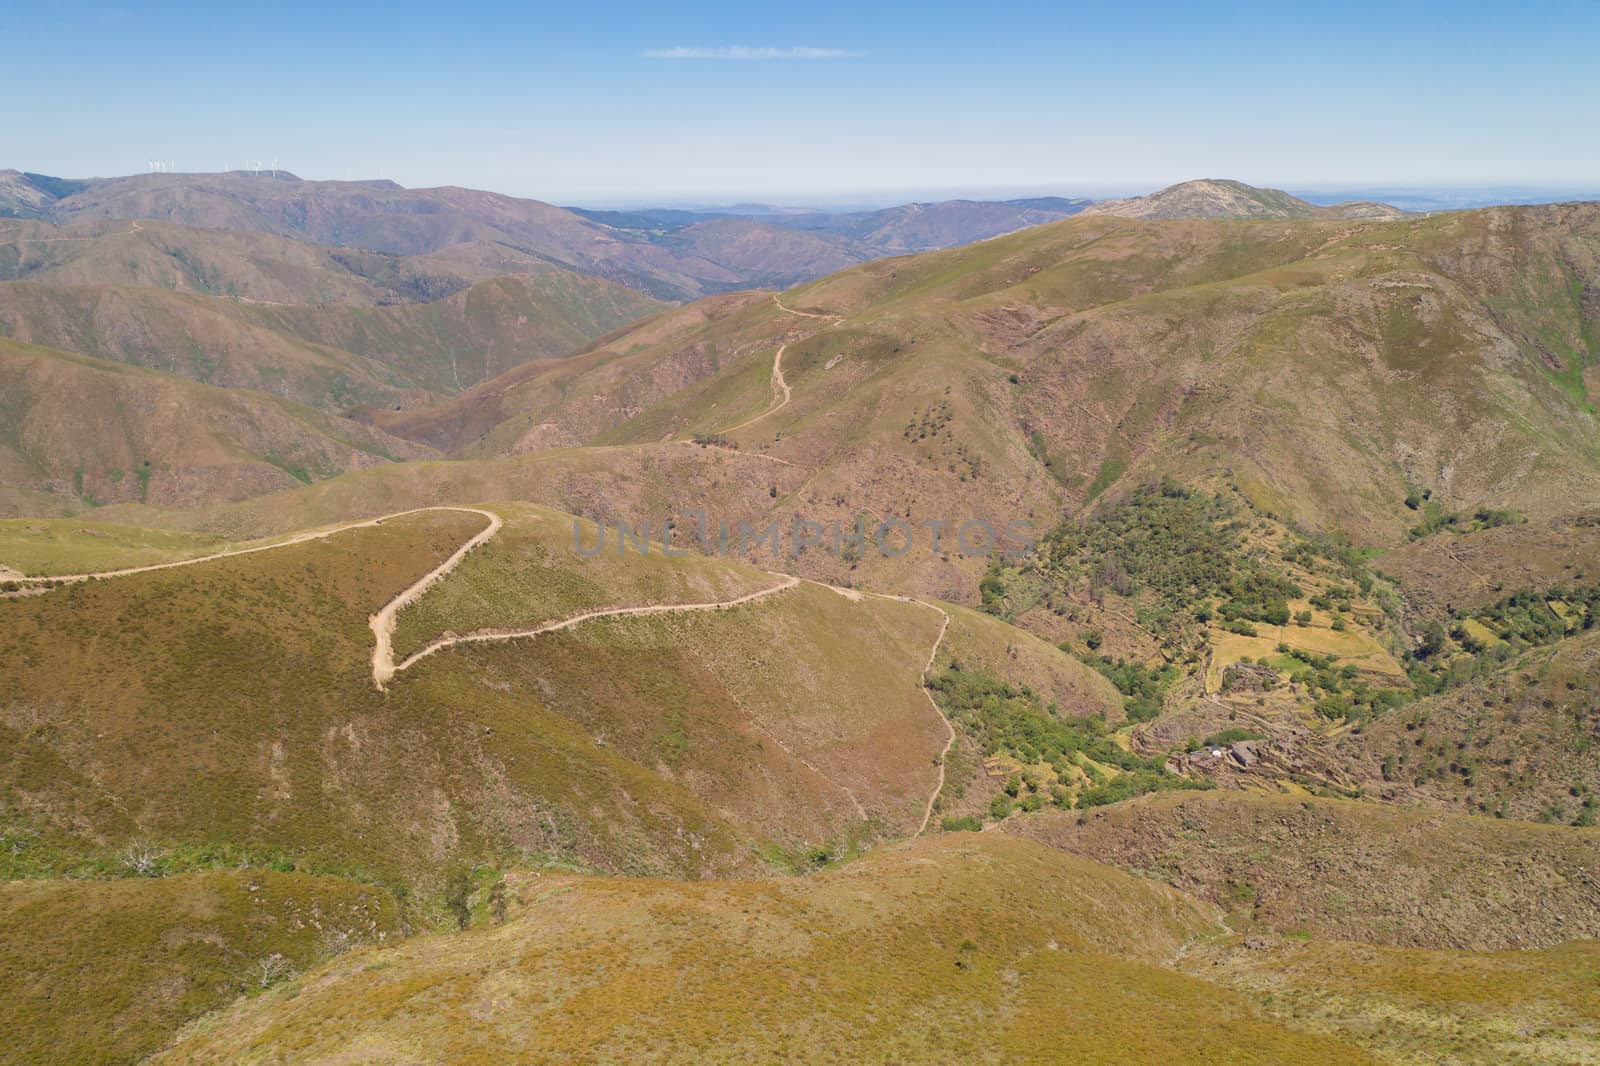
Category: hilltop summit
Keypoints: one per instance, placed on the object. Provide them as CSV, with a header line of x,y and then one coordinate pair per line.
x,y
1225,198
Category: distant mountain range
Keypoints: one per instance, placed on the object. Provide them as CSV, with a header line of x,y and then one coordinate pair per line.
x,y
897,230
399,323
666,253
670,255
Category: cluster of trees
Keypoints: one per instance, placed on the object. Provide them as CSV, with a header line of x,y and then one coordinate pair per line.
x,y
1006,720
1181,545
1438,520
1453,654
1143,687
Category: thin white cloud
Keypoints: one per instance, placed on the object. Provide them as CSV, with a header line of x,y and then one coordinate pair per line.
x,y
739,51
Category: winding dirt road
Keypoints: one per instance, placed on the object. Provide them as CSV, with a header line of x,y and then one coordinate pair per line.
x,y
780,388
298,538
789,581
133,227
927,814
835,319
383,622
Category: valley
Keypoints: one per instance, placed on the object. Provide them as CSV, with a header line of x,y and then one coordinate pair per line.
x,y
356,703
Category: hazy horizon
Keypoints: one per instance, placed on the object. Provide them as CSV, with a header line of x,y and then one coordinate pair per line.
x,y
1420,196
727,103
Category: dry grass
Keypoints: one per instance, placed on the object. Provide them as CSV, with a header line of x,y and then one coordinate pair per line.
x,y
533,572
106,971
1415,1007
952,950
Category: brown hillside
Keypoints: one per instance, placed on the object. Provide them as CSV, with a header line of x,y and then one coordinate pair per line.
x,y
1331,367
158,439
326,356
1350,871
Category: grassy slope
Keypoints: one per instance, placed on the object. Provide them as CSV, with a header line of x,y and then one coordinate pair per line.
x,y
1348,870
1410,1006
952,950
223,702
821,689
37,546
229,702
107,971
531,573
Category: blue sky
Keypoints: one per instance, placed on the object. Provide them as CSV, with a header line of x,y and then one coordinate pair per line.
x,y
568,103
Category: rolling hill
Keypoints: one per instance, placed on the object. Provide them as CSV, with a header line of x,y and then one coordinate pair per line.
x,y
974,950
733,758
